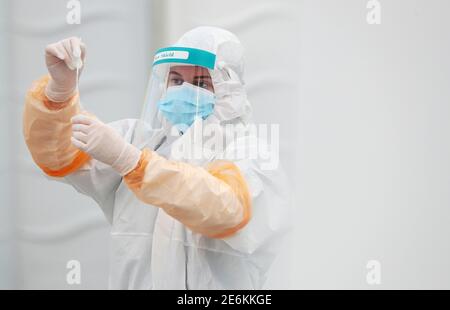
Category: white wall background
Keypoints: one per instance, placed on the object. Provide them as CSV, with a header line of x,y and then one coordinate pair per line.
x,y
373,142
6,173
363,111
53,223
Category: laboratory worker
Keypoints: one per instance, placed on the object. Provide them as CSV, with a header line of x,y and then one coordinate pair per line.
x,y
191,199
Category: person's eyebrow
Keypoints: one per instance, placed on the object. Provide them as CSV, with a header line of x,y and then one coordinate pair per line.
x,y
202,77
174,72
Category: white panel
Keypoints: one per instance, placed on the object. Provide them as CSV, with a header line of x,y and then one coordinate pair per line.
x,y
7,176
373,144
55,223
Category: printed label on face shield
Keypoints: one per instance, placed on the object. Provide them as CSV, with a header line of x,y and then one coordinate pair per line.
x,y
171,55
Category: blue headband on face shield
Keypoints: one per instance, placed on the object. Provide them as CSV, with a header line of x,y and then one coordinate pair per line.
x,y
183,103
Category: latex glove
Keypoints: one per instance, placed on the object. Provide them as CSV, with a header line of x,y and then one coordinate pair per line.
x,y
103,143
62,59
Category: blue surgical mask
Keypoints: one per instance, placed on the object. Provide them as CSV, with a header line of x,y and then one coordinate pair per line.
x,y
183,103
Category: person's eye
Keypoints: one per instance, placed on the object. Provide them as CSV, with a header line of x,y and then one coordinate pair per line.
x,y
176,81
203,84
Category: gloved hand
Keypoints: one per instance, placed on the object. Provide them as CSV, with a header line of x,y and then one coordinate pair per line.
x,y
103,143
62,59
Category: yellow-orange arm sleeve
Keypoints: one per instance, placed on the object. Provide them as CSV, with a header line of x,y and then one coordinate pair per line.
x,y
214,201
47,130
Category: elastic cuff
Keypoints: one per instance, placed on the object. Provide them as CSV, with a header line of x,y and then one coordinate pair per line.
x,y
79,160
38,92
134,178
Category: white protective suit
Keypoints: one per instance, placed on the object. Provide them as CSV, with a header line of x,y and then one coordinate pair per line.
x,y
152,246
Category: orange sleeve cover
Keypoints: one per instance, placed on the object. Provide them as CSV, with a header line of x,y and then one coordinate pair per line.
x,y
47,131
214,201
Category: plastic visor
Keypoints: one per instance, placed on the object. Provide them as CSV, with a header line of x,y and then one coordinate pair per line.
x,y
180,90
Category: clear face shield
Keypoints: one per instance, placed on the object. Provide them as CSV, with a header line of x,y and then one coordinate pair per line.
x,y
180,91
